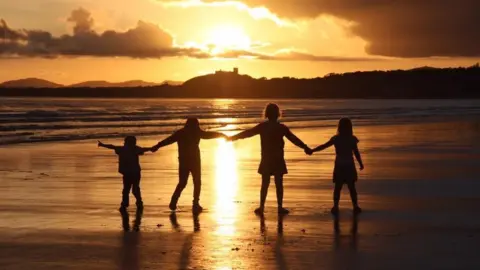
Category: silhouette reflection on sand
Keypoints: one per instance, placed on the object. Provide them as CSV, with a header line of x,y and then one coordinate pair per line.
x,y
129,255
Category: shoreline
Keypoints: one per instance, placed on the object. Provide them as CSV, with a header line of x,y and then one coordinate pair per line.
x,y
59,203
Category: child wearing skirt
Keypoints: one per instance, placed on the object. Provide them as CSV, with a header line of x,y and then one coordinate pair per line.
x,y
272,162
346,146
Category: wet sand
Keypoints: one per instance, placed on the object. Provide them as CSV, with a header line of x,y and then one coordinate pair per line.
x,y
420,192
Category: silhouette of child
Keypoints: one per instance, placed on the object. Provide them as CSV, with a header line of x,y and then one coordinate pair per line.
x,y
272,161
129,167
188,138
344,172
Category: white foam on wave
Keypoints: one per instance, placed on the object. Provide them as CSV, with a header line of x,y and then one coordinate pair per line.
x,y
24,120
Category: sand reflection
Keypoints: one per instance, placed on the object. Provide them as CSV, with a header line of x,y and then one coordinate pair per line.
x,y
226,185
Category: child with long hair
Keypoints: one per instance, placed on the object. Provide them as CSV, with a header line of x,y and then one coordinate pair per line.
x,y
188,140
272,162
344,172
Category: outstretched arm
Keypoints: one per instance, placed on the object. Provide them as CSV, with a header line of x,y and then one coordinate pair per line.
x,y
108,146
169,140
211,135
143,150
246,133
295,140
356,152
323,146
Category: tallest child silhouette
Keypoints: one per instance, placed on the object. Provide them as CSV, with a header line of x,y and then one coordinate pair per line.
x,y
272,162
188,138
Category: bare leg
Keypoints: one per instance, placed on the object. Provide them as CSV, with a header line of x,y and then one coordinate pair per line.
x,y
353,196
336,196
263,193
336,193
279,189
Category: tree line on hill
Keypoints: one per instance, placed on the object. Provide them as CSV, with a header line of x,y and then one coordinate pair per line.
x,y
423,82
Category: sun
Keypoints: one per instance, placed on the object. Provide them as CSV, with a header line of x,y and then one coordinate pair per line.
x,y
228,37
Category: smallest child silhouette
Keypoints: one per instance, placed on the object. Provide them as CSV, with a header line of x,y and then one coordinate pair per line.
x,y
129,167
344,172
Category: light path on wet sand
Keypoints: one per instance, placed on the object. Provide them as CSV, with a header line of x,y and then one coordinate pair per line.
x,y
59,201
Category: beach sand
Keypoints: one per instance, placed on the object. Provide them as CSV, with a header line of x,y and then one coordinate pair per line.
x,y
420,193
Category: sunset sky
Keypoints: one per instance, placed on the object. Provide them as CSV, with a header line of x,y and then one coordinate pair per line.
x,y
69,41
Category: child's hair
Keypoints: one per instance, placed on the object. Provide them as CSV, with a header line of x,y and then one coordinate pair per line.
x,y
272,111
130,141
192,122
345,127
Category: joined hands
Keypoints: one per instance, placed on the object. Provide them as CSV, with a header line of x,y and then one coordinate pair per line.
x,y
155,148
230,138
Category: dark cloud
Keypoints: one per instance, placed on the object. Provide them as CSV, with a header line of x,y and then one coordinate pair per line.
x,y
292,55
6,32
83,21
146,40
399,28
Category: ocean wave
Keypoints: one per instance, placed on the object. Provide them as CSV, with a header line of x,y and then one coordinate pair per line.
x,y
207,120
39,116
39,120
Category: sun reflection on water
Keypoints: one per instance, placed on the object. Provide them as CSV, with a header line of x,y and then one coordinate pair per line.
x,y
226,178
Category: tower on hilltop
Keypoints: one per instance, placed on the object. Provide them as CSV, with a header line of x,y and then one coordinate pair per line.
x,y
235,71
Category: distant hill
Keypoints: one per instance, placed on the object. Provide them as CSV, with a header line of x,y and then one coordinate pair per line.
x,y
172,82
424,82
226,84
40,83
30,83
98,84
423,68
